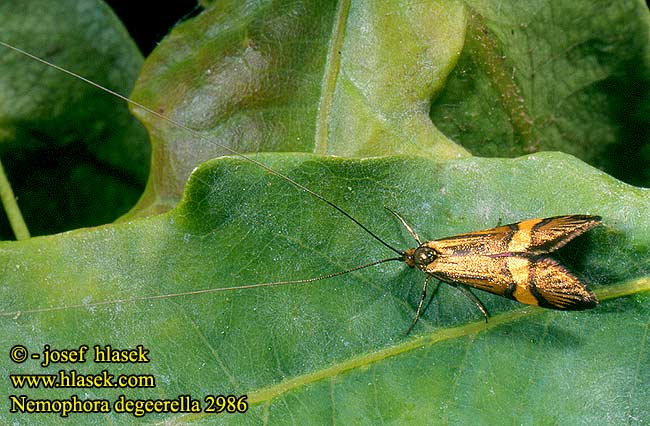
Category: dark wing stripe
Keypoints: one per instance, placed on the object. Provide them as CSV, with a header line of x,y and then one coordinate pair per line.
x,y
481,235
552,233
536,230
541,301
555,287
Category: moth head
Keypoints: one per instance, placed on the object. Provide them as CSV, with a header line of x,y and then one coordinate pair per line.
x,y
419,257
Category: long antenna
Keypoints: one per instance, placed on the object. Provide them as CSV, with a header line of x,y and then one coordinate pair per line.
x,y
195,292
199,136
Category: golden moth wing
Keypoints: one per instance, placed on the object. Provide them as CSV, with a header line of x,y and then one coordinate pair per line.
x,y
487,241
533,236
549,234
531,280
486,273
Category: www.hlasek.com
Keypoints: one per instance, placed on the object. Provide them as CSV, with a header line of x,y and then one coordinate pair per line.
x,y
72,379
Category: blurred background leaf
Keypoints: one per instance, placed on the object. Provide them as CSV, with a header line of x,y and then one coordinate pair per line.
x,y
554,75
75,156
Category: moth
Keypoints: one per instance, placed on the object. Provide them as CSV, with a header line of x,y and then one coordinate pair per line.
x,y
511,261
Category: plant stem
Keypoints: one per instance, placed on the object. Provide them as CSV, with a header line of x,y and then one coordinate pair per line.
x,y
11,207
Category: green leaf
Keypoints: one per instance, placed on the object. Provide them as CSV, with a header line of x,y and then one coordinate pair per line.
x,y
74,155
336,349
343,79
553,75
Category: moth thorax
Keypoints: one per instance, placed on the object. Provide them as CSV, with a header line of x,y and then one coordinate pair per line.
x,y
424,255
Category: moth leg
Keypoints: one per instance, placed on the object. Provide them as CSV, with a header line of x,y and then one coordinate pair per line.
x,y
474,299
422,297
406,225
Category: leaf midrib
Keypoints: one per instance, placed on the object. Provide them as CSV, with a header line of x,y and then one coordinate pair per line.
x,y
330,76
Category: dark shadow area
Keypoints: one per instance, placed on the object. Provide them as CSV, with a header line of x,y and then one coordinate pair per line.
x,y
149,21
72,189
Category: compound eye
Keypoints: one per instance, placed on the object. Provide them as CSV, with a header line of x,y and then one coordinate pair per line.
x,y
424,256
